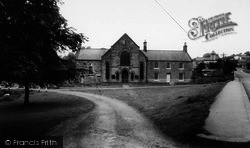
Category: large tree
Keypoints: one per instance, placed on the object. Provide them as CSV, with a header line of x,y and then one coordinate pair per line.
x,y
247,53
32,32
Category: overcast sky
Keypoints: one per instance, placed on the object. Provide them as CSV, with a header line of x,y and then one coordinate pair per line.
x,y
105,21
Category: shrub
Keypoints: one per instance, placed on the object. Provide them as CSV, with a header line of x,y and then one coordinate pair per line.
x,y
195,98
207,80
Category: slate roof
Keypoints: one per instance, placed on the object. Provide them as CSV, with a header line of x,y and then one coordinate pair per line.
x,y
168,55
91,54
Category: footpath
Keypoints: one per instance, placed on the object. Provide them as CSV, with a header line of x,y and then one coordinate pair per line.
x,y
229,115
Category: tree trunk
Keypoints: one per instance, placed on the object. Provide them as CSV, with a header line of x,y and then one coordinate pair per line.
x,y
27,92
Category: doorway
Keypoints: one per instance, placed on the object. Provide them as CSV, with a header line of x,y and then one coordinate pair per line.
x,y
168,77
124,76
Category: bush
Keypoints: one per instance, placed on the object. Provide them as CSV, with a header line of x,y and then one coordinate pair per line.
x,y
182,83
248,65
195,98
206,80
7,97
5,91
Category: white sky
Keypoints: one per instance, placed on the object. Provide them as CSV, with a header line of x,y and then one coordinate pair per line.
x,y
105,21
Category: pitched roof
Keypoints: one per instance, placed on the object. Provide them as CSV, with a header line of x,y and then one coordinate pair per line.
x,y
168,55
124,36
91,54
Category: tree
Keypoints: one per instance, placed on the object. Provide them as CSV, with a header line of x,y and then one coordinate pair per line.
x,y
248,65
71,56
247,53
84,47
229,65
71,70
32,33
197,73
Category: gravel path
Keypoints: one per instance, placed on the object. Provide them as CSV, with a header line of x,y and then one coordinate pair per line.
x,y
116,125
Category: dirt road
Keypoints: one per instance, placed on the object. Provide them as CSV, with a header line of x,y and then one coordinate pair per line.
x,y
115,124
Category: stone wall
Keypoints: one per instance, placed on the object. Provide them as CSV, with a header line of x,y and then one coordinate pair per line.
x,y
83,69
113,57
173,71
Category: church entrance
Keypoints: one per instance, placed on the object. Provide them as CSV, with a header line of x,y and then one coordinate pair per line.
x,y
124,76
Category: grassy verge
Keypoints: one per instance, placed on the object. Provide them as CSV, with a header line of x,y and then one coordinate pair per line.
x,y
246,70
45,111
179,112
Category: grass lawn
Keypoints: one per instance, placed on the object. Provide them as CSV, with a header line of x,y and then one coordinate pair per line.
x,y
246,70
179,112
46,110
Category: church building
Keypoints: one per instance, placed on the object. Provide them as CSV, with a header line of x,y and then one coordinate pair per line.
x,y
125,62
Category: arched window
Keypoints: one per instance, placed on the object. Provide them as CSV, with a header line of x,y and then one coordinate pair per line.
x,y
117,75
107,70
141,71
125,58
132,76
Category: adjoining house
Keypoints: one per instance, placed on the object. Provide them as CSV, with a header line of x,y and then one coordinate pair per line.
x,y
124,62
206,58
242,60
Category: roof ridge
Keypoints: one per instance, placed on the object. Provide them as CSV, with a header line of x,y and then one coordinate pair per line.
x,y
94,48
166,50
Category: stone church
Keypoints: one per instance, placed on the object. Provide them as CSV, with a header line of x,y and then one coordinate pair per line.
x,y
124,62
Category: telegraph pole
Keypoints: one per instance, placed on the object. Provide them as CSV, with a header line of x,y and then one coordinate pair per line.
x,y
223,60
223,55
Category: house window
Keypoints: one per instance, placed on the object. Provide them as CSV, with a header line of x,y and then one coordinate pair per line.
x,y
168,66
181,65
113,77
107,70
125,58
156,76
156,64
181,76
117,75
91,69
141,71
132,76
99,78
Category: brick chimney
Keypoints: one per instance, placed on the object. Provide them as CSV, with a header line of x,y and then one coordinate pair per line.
x,y
185,47
145,46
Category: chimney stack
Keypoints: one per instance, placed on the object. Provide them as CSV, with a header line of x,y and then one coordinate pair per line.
x,y
145,46
185,47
